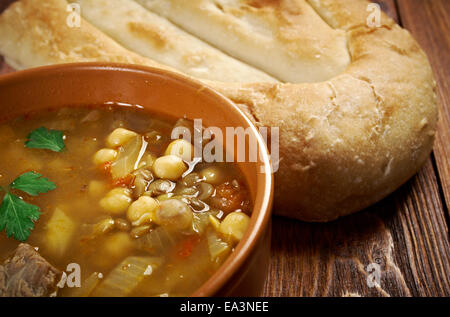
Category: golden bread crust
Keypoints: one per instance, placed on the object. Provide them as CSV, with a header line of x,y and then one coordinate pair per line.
x,y
154,37
345,142
35,33
286,39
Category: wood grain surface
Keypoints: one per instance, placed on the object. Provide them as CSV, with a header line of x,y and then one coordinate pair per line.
x,y
405,236
429,22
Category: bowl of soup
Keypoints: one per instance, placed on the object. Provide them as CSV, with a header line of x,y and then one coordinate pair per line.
x,y
120,180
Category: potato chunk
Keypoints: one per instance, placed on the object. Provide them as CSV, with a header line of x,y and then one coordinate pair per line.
x,y
60,229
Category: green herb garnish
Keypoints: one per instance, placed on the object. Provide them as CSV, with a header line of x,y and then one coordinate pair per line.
x,y
44,138
16,215
33,184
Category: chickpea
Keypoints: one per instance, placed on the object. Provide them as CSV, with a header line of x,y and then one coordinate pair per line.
x,y
142,210
119,136
234,226
104,155
169,167
116,201
212,175
174,214
181,148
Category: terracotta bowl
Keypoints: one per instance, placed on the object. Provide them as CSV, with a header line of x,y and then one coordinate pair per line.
x,y
169,94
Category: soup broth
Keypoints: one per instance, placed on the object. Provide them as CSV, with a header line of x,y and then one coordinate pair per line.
x,y
131,209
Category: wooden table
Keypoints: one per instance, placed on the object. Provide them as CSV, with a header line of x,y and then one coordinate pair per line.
x,y
406,235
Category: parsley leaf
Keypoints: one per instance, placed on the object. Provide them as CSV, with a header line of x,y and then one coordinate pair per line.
x,y
17,216
44,138
33,184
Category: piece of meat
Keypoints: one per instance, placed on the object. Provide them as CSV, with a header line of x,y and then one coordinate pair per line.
x,y
27,274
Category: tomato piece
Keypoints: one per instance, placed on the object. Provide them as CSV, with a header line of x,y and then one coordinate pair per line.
x,y
228,198
124,181
106,166
187,246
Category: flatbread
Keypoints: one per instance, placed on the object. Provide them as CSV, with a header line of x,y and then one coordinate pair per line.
x,y
36,33
153,36
286,39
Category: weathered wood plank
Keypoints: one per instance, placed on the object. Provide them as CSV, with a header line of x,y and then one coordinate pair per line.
x,y
429,22
405,235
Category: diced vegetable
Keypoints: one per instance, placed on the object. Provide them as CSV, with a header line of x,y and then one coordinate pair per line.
x,y
128,159
147,160
157,241
200,222
87,286
127,276
187,246
60,229
218,249
214,222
